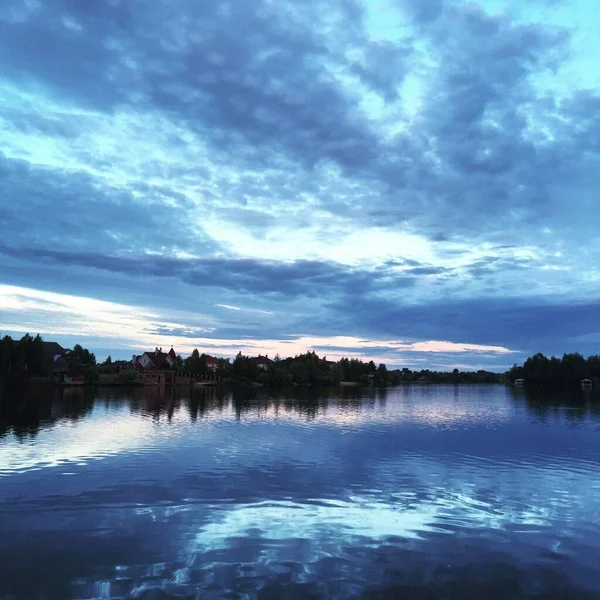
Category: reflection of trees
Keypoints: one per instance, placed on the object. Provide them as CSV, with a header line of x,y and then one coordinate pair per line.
x,y
205,400
31,408
545,402
26,409
306,402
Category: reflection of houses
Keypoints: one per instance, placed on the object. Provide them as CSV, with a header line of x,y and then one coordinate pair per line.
x,y
74,380
262,363
519,382
149,361
586,383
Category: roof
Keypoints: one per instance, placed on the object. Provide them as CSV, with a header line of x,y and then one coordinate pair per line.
x,y
172,353
157,358
52,349
262,360
209,358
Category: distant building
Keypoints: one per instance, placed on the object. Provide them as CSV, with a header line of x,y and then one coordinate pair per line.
x,y
519,382
121,365
261,362
586,383
212,363
59,359
154,378
150,361
52,349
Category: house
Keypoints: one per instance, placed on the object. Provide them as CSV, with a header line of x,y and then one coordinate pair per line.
x,y
519,382
149,361
261,362
212,363
60,360
121,365
154,378
586,383
52,349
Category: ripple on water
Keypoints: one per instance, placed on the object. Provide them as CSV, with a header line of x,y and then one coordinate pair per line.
x,y
444,492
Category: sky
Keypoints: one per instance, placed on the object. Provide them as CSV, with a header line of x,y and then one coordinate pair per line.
x,y
415,182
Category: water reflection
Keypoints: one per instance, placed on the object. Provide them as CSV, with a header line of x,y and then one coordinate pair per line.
x,y
417,492
25,411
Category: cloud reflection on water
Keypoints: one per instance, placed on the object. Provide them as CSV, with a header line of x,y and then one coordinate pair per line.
x,y
239,493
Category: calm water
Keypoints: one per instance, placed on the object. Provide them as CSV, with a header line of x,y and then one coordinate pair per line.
x,y
418,492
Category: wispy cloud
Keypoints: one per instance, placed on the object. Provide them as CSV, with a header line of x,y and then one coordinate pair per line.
x,y
71,317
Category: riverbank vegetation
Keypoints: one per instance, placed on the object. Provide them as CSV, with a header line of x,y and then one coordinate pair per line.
x,y
31,357
568,371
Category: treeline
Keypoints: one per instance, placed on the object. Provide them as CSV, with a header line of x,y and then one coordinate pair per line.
x,y
567,371
310,369
455,376
22,359
26,358
303,369
31,357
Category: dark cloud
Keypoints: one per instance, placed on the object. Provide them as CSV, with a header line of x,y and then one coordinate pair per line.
x,y
497,264
252,72
294,279
256,80
59,209
488,164
184,332
528,325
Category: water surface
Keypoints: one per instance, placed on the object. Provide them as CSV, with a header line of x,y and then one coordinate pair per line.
x,y
450,492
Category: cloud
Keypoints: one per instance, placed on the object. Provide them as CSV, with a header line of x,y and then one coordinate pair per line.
x,y
424,170
305,278
525,325
70,318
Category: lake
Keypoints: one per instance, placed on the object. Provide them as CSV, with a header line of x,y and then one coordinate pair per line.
x,y
424,492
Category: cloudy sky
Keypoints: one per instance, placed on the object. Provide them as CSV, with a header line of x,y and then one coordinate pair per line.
x,y
413,181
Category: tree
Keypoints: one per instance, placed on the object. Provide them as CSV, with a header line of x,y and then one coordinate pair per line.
x,y
382,374
242,368
83,356
178,363
130,375
194,363
566,371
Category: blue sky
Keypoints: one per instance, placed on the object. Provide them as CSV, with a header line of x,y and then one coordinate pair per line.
x,y
413,181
